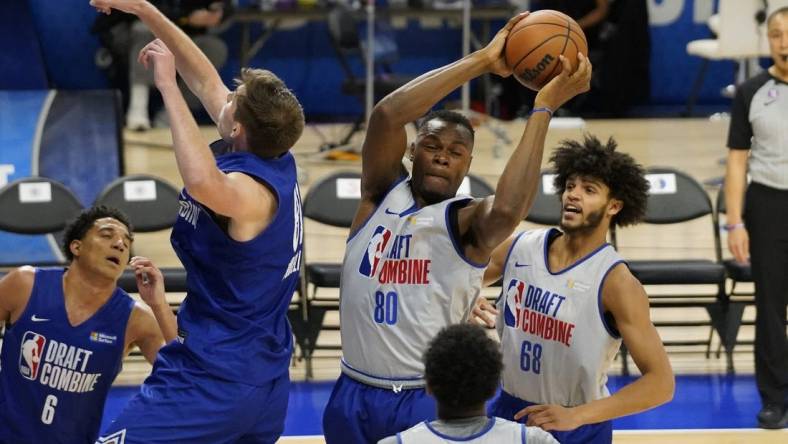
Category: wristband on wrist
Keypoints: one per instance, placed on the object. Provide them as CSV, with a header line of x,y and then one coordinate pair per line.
x,y
543,109
731,227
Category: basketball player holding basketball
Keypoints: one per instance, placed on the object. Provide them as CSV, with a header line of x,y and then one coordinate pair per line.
x,y
568,300
416,253
462,368
239,236
67,331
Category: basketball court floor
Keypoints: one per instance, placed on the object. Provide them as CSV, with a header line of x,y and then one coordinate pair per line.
x,y
710,405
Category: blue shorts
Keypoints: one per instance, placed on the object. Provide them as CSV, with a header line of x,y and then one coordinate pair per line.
x,y
360,414
506,405
181,403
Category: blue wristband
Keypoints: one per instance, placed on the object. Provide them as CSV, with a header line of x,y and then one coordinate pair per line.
x,y
543,109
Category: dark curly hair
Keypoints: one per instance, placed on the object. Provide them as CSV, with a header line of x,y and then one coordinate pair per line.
x,y
462,366
623,176
77,228
447,116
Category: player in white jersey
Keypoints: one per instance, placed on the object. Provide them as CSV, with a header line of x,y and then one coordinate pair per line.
x,y
462,367
568,299
416,254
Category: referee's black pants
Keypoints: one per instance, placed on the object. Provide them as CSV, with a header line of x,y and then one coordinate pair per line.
x,y
766,217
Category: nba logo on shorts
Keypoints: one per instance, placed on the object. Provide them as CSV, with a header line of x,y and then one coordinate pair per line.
x,y
514,296
375,250
31,352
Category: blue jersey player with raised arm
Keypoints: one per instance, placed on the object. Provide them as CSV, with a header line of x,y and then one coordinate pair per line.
x,y
238,235
416,253
68,329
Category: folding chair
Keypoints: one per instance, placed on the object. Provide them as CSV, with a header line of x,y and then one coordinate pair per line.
x,y
675,197
736,300
333,201
37,205
150,202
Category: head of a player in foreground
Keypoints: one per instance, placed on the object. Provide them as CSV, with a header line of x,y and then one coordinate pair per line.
x,y
462,367
598,186
777,32
441,155
98,241
262,115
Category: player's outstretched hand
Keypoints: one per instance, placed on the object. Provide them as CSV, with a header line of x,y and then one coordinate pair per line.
x,y
150,281
550,417
157,54
484,313
565,85
495,49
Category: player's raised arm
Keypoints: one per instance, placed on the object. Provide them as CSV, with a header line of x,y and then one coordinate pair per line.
x,y
488,224
385,142
194,67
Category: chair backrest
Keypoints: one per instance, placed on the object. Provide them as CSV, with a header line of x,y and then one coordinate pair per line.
x,y
721,206
333,200
674,197
546,209
36,205
150,202
475,186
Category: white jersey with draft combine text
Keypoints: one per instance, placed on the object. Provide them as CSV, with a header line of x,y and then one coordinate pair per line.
x,y
556,344
404,277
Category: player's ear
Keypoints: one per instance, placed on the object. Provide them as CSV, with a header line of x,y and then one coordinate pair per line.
x,y
75,247
237,130
614,207
411,151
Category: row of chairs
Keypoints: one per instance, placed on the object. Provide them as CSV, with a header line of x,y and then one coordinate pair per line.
x,y
40,205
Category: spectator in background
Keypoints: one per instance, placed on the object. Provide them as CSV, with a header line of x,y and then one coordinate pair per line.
x,y
124,36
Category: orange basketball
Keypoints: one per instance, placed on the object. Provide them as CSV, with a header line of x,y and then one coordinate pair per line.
x,y
535,42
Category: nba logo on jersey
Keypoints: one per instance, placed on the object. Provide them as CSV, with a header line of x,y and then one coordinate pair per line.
x,y
514,294
375,248
32,351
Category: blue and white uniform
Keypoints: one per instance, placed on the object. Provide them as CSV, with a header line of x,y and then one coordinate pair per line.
x,y
54,377
494,431
557,345
226,379
404,278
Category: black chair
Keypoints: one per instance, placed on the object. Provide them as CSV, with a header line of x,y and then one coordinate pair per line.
x,y
37,205
150,202
475,186
736,300
332,200
343,30
546,209
675,197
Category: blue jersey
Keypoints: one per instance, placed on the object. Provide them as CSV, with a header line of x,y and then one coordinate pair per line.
x,y
234,318
54,376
